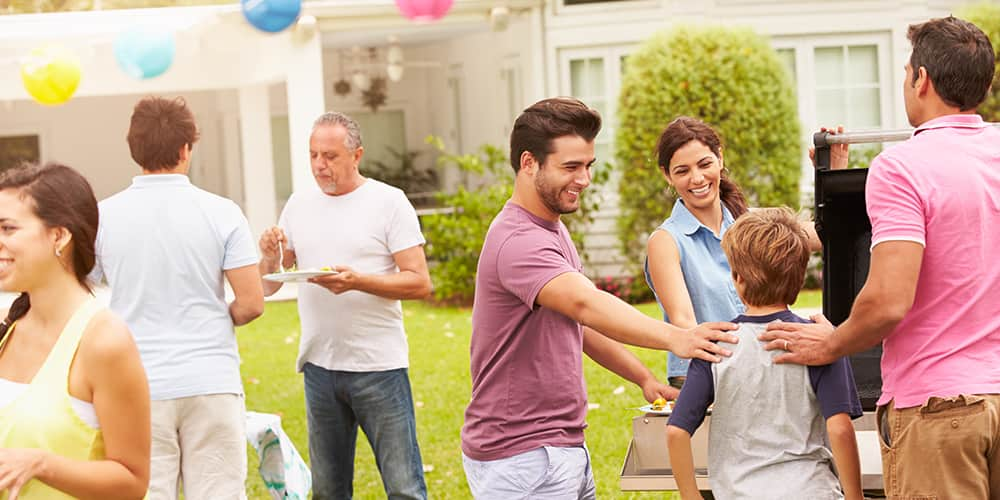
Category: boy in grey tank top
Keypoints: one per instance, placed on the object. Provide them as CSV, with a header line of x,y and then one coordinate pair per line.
x,y
777,430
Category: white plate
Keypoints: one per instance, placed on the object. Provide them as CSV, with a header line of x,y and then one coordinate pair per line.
x,y
649,409
296,276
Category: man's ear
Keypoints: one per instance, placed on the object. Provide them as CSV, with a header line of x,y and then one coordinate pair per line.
x,y
923,82
528,162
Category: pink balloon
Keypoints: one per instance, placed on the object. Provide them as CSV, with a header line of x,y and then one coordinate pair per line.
x,y
424,10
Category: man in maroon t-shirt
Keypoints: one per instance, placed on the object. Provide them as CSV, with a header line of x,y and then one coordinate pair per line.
x,y
535,312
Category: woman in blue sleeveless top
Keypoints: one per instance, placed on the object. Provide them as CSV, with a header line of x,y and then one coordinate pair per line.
x,y
685,265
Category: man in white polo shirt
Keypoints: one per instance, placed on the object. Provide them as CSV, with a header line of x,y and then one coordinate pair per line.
x,y
165,246
353,352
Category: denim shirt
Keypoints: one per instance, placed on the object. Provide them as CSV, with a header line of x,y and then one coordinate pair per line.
x,y
706,273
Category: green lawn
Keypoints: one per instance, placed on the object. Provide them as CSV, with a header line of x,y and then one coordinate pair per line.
x,y
439,372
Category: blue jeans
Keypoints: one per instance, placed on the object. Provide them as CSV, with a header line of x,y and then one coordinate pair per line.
x,y
337,402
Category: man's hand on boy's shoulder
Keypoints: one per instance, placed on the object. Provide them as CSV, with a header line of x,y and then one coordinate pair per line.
x,y
805,343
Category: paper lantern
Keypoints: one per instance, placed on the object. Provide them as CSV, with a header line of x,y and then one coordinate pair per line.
x,y
424,10
145,52
50,74
271,16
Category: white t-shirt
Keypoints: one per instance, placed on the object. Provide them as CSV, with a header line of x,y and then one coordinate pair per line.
x,y
354,331
162,246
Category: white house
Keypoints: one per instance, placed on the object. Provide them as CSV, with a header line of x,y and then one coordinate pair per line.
x,y
465,78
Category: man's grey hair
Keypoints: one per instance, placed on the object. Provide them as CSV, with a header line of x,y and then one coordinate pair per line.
x,y
331,118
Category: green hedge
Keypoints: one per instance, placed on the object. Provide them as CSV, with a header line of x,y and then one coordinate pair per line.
x,y
987,17
731,79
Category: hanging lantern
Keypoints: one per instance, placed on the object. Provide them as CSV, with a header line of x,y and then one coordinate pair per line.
x,y
361,80
394,71
423,10
145,52
271,16
51,74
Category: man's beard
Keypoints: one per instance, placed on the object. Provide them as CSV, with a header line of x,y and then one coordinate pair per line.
x,y
550,197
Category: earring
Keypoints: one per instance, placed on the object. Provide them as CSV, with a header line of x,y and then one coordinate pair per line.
x,y
58,252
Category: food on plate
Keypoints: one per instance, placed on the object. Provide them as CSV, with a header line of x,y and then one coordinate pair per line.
x,y
659,404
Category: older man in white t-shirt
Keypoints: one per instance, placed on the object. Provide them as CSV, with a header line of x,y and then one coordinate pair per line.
x,y
165,248
353,351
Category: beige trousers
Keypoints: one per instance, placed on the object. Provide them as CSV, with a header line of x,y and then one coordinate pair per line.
x,y
199,442
947,448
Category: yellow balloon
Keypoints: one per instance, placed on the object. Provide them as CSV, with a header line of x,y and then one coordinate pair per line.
x,y
51,74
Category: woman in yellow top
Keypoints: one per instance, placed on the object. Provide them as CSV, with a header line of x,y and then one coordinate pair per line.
x,y
74,401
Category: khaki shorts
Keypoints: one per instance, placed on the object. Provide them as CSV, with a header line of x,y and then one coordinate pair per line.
x,y
199,442
947,448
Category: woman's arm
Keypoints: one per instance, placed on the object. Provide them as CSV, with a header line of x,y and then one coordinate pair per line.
x,y
114,372
668,280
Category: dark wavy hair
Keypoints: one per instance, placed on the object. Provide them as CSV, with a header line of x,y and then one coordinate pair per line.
x,y
958,58
60,197
547,120
685,129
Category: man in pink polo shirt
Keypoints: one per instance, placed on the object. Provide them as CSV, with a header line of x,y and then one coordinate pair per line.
x,y
932,292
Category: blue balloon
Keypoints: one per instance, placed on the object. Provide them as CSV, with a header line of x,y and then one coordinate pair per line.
x,y
271,16
145,52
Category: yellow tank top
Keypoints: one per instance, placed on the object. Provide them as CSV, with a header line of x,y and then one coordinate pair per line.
x,y
42,417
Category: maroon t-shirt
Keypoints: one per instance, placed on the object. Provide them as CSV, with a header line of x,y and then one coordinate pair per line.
x,y
527,368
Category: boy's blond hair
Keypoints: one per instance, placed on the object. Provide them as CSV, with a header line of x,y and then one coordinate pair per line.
x,y
769,249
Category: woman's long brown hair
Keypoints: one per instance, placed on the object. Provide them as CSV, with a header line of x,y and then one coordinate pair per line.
x,y
60,197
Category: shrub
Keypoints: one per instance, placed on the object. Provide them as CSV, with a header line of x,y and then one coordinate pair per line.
x,y
986,15
455,238
731,79
626,288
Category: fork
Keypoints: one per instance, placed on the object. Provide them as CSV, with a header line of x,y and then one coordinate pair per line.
x,y
281,258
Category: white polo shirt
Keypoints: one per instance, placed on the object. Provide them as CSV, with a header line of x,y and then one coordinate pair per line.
x,y
162,246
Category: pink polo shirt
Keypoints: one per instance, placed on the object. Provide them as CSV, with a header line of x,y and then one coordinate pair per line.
x,y
941,188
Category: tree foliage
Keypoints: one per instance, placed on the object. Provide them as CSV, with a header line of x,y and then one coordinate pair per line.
x,y
986,15
733,80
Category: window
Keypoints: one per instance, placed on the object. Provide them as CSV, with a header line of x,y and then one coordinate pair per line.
x,y
848,87
838,81
17,149
594,77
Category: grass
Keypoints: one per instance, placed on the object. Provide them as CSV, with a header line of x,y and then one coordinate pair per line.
x,y
439,373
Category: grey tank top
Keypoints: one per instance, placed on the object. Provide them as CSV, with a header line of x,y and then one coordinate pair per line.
x,y
768,415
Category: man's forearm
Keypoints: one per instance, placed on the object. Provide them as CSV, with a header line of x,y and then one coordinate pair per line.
x,y
865,328
616,319
266,268
403,285
615,357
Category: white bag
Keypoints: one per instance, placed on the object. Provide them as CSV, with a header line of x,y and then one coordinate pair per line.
x,y
281,467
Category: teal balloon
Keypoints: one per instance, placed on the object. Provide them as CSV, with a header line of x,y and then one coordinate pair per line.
x,y
271,16
145,52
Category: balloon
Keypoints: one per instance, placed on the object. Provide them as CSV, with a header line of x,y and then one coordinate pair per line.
x,y
424,10
51,74
145,52
271,16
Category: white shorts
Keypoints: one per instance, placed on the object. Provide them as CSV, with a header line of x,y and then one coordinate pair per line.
x,y
547,473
